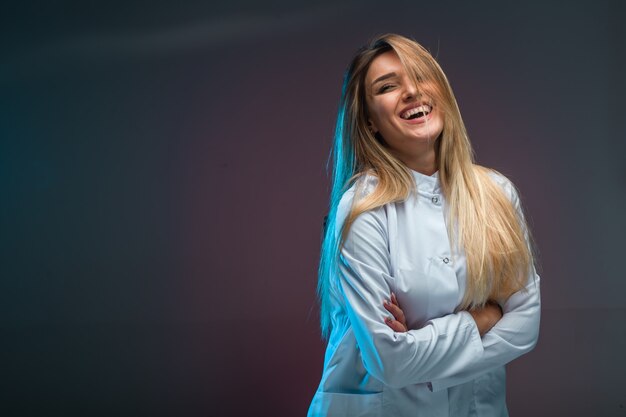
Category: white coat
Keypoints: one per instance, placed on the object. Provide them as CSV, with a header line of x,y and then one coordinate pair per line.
x,y
443,368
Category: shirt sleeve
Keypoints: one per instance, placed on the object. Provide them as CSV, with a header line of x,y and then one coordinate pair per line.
x,y
441,349
514,334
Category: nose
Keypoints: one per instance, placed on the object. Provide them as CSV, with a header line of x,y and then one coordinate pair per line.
x,y
410,92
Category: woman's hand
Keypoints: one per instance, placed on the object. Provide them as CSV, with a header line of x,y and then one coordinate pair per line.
x,y
486,317
398,322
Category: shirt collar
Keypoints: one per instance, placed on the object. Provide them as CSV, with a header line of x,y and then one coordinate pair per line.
x,y
427,183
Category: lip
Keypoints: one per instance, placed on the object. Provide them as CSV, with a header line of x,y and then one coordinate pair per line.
x,y
414,105
420,120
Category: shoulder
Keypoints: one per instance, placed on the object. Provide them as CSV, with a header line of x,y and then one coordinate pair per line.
x,y
364,185
505,184
361,188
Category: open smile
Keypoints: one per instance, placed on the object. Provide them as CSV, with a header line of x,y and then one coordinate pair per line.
x,y
416,112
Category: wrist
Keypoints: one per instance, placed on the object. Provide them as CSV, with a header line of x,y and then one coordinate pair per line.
x,y
479,321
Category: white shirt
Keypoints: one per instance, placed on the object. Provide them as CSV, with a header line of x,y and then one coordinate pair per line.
x,y
443,368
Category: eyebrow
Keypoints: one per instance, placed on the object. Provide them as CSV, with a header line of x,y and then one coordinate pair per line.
x,y
384,77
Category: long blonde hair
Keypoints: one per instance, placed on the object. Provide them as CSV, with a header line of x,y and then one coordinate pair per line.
x,y
488,227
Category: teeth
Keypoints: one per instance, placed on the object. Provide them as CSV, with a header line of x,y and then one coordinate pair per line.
x,y
423,109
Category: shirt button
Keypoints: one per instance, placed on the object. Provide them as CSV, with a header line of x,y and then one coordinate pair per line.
x,y
435,199
446,260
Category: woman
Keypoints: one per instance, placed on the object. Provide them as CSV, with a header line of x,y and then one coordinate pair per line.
x,y
426,279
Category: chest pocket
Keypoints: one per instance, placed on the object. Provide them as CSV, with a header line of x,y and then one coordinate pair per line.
x,y
426,290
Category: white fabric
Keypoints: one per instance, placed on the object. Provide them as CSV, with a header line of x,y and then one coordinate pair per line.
x,y
443,368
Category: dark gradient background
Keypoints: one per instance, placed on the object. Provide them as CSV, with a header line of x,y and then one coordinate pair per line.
x,y
163,187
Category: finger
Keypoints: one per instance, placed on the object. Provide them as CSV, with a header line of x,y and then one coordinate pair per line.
x,y
395,325
394,299
395,310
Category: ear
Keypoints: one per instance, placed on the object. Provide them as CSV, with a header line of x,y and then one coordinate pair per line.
x,y
372,126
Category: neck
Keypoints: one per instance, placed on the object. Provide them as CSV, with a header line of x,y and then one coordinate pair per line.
x,y
423,162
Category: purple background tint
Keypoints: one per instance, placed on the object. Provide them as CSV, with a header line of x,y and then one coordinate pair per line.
x,y
163,187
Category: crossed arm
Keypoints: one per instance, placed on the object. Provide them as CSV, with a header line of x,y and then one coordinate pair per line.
x,y
485,317
448,350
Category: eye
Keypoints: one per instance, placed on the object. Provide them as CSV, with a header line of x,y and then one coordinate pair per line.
x,y
385,87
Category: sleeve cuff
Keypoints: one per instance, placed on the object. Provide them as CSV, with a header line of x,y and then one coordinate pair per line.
x,y
474,341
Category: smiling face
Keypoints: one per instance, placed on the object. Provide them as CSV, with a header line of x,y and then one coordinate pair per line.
x,y
407,117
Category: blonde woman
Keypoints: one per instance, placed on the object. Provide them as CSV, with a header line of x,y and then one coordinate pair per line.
x,y
426,279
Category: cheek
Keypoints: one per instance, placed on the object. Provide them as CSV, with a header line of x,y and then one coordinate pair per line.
x,y
440,121
384,111
376,115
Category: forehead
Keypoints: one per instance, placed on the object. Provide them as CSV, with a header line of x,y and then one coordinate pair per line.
x,y
384,64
